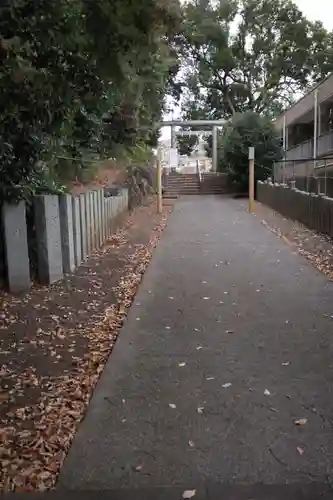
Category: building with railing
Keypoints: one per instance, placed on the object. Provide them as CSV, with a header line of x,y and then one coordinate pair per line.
x,y
307,132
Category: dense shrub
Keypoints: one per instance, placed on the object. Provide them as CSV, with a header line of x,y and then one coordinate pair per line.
x,y
76,78
243,131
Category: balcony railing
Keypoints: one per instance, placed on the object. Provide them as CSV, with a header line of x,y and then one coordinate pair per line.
x,y
305,149
325,144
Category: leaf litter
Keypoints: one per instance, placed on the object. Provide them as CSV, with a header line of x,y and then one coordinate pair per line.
x,y
48,372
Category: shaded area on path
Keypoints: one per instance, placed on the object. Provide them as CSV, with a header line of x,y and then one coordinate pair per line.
x,y
224,301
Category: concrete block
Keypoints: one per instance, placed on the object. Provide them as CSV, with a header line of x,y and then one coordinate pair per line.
x,y
88,221
77,230
67,232
83,226
16,247
49,251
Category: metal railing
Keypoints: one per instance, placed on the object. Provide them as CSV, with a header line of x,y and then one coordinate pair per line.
x,y
313,175
306,149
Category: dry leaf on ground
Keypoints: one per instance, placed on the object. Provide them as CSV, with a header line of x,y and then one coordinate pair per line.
x,y
301,421
189,493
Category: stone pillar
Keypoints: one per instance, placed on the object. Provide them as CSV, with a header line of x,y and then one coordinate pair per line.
x,y
95,220
109,215
88,221
83,226
126,199
214,149
47,221
100,220
173,137
16,247
103,217
77,230
67,233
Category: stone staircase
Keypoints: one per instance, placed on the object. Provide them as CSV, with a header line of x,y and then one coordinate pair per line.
x,y
186,184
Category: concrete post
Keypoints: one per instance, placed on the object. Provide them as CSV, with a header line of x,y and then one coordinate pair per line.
x,y
93,222
100,220
110,216
83,226
16,247
103,217
173,137
214,148
47,221
88,221
67,235
77,230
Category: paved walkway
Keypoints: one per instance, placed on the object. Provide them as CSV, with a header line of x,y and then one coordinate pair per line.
x,y
228,343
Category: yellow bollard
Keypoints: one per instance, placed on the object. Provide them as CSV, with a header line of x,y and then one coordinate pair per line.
x,y
159,187
251,180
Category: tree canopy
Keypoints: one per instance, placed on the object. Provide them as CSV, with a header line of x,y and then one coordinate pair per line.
x,y
78,77
245,55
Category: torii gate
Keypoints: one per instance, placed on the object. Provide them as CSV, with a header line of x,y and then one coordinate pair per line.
x,y
199,123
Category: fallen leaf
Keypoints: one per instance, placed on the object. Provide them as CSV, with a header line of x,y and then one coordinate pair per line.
x,y
189,493
300,450
173,406
225,386
301,421
267,393
121,308
4,396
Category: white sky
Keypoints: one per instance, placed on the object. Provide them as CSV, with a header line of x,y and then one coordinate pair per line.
x,y
314,10
318,10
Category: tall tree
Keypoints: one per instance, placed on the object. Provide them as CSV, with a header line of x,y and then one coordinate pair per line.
x,y
250,55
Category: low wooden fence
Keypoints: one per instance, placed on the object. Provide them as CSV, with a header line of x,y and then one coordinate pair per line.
x,y
54,234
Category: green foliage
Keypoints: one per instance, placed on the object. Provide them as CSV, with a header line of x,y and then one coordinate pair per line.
x,y
78,77
243,131
249,55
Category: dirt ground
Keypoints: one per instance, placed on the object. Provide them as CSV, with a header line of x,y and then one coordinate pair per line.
x,y
54,343
317,248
